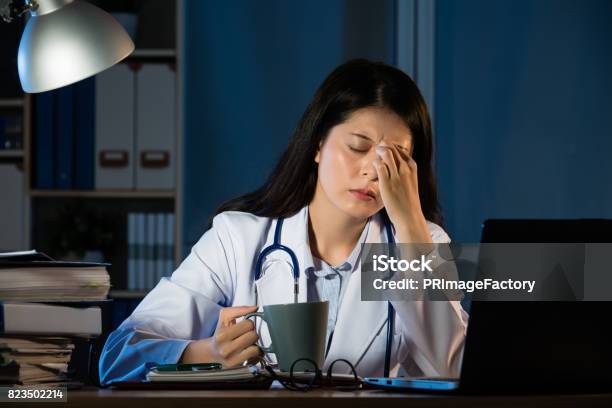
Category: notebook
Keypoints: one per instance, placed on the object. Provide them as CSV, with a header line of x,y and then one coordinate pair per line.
x,y
244,373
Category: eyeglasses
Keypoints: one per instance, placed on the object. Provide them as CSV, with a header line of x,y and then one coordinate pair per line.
x,y
313,377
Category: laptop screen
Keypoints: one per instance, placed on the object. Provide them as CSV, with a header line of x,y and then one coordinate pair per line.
x,y
539,346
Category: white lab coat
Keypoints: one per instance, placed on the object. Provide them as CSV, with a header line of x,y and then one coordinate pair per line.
x,y
428,337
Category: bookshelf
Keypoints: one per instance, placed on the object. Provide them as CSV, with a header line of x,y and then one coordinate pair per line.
x,y
127,294
12,103
11,153
37,200
160,53
127,194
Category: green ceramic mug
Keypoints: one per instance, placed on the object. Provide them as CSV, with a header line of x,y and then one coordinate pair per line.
x,y
297,330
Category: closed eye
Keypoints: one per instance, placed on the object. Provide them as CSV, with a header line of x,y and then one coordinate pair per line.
x,y
357,150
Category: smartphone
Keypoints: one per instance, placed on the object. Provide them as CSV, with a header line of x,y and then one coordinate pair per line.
x,y
188,367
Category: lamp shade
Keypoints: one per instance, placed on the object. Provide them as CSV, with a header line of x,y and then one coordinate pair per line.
x,y
65,41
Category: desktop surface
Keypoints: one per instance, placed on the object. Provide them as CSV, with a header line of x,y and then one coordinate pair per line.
x,y
319,398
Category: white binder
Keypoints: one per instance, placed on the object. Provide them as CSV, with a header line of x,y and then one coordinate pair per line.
x,y
115,128
155,127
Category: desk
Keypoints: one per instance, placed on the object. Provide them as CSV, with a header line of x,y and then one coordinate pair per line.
x,y
319,398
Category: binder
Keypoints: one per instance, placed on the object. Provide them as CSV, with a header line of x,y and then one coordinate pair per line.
x,y
39,318
64,132
169,243
140,251
160,250
114,128
155,127
150,263
45,144
131,270
84,137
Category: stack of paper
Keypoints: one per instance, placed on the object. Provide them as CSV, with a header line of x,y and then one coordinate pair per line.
x,y
40,298
34,360
62,281
48,280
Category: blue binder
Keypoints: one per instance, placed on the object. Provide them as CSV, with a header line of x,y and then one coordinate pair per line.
x,y
64,132
84,138
45,146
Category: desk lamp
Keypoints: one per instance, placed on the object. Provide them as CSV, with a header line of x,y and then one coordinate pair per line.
x,y
65,41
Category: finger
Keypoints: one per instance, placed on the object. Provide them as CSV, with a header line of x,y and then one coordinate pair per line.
x,y
407,158
395,151
254,360
402,157
228,334
386,154
228,315
243,355
381,170
383,177
412,164
240,343
404,154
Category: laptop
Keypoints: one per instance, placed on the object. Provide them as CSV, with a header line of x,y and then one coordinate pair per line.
x,y
531,347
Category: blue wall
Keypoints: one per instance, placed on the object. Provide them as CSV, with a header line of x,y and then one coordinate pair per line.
x,y
250,69
523,106
522,94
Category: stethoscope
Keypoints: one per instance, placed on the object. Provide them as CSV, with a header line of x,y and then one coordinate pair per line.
x,y
277,246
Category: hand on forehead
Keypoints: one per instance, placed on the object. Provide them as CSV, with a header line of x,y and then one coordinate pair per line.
x,y
380,127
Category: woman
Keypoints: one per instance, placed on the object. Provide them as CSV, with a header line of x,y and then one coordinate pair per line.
x,y
361,152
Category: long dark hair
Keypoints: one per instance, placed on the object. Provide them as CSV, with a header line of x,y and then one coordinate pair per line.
x,y
353,85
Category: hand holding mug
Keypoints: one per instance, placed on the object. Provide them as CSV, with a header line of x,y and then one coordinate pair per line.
x,y
231,344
